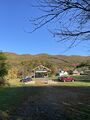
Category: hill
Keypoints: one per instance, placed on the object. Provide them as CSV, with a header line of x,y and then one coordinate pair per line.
x,y
58,60
22,65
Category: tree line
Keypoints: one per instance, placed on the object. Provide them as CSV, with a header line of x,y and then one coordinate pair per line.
x,y
16,67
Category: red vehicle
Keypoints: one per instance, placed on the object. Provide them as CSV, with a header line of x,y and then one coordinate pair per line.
x,y
66,78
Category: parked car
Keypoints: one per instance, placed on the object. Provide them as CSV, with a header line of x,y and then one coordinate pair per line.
x,y
28,79
66,78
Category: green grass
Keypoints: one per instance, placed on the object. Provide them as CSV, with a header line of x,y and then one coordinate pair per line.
x,y
9,96
76,84
13,96
82,78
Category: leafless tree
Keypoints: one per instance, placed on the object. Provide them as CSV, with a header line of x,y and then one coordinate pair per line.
x,y
70,19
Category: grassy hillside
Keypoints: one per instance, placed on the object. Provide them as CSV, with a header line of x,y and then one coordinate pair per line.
x,y
59,61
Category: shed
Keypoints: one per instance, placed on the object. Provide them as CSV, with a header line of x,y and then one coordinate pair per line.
x,y
41,71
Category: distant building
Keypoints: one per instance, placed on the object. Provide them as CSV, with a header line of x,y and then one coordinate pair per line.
x,y
63,73
87,72
82,72
40,71
76,72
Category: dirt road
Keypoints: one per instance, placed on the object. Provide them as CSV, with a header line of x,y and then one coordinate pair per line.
x,y
55,103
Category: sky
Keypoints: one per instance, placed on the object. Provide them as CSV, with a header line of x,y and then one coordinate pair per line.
x,y
15,28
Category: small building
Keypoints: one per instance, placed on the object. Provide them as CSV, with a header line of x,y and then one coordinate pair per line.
x,y
76,72
63,73
41,71
87,72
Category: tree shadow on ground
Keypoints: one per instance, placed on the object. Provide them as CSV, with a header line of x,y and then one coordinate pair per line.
x,y
45,102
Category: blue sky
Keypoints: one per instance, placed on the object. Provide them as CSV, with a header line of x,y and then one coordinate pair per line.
x,y
14,22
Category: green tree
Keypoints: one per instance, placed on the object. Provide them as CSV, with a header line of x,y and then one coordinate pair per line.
x,y
3,68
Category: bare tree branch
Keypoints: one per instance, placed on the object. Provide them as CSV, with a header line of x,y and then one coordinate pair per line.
x,y
71,16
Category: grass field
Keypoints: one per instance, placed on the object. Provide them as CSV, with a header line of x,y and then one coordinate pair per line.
x,y
64,100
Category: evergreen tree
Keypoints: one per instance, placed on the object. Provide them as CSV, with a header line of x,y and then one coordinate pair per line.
x,y
3,68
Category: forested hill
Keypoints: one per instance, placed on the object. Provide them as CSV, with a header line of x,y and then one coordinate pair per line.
x,y
57,61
